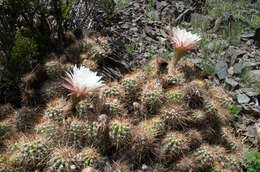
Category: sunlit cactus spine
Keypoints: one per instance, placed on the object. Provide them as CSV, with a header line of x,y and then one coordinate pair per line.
x,y
74,133
231,162
34,152
28,153
131,89
194,138
50,131
152,96
173,145
15,160
230,143
155,125
92,132
174,119
112,107
169,81
121,166
84,109
55,114
96,135
96,52
174,96
152,100
89,157
225,161
194,97
212,113
197,117
91,64
51,90
55,111
63,160
201,84
186,164
119,132
67,67
204,157
5,129
112,91
143,141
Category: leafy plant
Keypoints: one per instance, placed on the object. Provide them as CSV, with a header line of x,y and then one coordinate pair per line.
x,y
130,48
147,69
252,161
234,110
16,62
232,32
108,6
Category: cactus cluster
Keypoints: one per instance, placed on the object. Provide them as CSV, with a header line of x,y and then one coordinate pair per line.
x,y
55,114
63,160
84,109
111,92
204,157
88,157
119,131
34,152
165,120
50,131
112,107
173,145
74,133
152,100
131,89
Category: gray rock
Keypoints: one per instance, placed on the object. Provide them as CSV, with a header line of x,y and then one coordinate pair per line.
x,y
257,131
254,75
242,98
251,91
250,64
231,82
238,68
221,69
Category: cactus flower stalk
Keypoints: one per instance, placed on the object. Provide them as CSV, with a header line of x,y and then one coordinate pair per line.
x,y
182,42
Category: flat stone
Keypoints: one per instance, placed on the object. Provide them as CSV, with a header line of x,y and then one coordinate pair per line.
x,y
238,68
221,69
257,131
231,82
251,91
254,75
250,131
242,98
250,64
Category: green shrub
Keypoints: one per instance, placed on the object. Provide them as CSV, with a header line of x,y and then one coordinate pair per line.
x,y
252,161
108,6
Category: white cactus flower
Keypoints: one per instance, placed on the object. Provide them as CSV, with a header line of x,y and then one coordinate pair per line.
x,y
182,39
81,81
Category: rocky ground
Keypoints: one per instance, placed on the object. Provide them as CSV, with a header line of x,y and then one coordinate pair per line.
x,y
227,57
